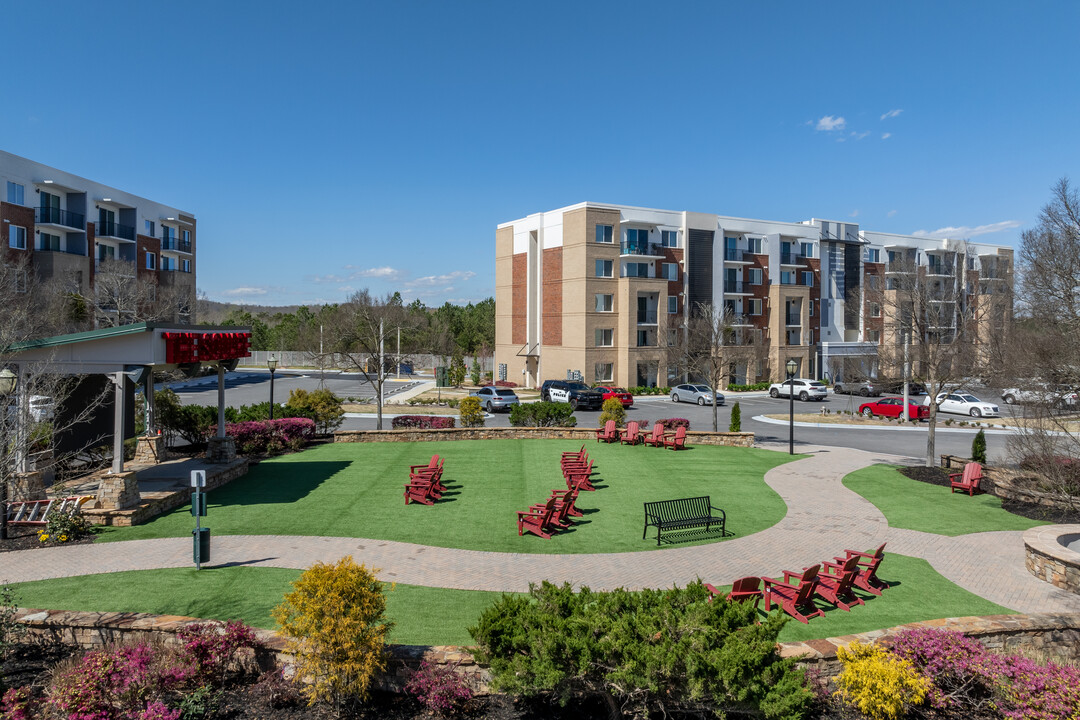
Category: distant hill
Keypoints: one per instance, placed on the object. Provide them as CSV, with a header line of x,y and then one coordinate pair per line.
x,y
211,312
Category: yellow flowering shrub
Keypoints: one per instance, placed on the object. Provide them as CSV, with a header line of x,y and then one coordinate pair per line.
x,y
879,684
335,621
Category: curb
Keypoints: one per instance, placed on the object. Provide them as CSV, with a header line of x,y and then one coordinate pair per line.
x,y
988,431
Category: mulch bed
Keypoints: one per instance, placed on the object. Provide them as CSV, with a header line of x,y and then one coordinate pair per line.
x,y
940,476
25,537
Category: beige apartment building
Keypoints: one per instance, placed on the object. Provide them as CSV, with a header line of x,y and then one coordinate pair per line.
x,y
600,292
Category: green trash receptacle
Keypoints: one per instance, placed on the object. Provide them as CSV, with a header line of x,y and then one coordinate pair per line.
x,y
201,545
442,377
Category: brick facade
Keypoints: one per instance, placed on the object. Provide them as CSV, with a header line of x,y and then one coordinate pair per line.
x,y
520,306
552,297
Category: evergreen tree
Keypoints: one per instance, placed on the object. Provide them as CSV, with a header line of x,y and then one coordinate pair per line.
x,y
978,448
736,418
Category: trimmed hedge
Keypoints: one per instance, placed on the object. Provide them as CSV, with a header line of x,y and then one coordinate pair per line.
x,y
746,388
542,414
423,422
642,390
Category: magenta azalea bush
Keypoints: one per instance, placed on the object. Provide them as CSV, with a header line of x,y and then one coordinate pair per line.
x,y
269,437
968,677
422,422
439,689
17,704
673,423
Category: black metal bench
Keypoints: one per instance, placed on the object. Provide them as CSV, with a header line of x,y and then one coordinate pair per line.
x,y
682,514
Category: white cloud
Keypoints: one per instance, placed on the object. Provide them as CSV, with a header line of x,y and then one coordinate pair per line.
x,y
891,114
245,291
859,136
382,273
886,136
854,213
318,279
963,232
829,123
443,280
891,213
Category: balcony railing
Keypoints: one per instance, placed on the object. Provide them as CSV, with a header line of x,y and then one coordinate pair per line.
x,y
62,250
646,318
739,320
174,243
640,248
736,287
56,216
790,258
794,319
939,269
734,254
112,229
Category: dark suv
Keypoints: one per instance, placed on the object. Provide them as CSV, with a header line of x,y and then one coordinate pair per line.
x,y
576,393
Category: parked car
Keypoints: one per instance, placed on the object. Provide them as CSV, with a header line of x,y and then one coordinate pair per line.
x,y
618,393
701,394
1041,393
804,389
496,398
866,388
896,387
576,393
962,403
893,407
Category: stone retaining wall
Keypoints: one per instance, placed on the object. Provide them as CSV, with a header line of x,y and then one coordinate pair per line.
x,y
693,437
1009,484
1055,635
1049,560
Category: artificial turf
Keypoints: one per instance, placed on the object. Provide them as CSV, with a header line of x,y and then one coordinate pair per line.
x,y
439,616
356,490
914,505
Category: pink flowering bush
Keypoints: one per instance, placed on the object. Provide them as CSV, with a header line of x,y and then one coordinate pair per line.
x,y
17,704
269,437
212,648
439,689
673,423
422,422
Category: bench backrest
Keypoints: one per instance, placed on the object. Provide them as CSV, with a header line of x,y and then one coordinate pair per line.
x,y
682,509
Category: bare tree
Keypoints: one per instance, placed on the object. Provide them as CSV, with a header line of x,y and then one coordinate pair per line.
x,y
935,321
364,333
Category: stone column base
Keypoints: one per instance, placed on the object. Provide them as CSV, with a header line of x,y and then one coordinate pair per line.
x,y
26,486
118,491
221,450
150,449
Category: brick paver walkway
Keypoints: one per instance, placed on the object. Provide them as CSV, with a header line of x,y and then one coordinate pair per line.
x,y
823,518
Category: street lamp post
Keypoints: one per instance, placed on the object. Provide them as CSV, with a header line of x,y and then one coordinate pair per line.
x,y
8,380
791,368
271,363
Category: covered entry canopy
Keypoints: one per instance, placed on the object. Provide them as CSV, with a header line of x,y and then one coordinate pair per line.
x,y
131,354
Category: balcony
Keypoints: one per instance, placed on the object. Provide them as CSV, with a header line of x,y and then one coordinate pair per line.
x,y
735,255
646,318
66,251
741,321
643,249
176,245
898,268
943,269
61,218
115,230
793,320
737,287
790,258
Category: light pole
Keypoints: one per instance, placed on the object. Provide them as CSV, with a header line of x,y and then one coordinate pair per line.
x,y
791,368
8,380
271,362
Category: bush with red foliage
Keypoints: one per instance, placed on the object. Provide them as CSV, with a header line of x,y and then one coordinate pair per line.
x,y
422,422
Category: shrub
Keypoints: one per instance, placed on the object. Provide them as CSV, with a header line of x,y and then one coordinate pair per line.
x,y
542,414
639,650
440,690
646,390
456,373
474,371
17,704
10,631
270,437
422,422
674,423
736,418
322,405
470,412
335,620
880,685
978,447
212,647
61,528
748,388
613,410
506,383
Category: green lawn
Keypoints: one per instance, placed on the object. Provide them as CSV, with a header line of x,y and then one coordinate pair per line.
x,y
915,505
355,490
437,616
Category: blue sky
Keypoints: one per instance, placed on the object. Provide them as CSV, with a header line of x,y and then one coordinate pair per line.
x,y
333,146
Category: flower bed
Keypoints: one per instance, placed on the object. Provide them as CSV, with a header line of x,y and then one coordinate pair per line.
x,y
422,422
269,437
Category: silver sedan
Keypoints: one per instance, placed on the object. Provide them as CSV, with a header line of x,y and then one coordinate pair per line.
x,y
701,394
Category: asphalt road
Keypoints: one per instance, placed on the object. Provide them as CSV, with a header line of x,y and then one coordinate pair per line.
x,y
248,387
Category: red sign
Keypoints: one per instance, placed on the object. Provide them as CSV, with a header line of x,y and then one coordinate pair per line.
x,y
189,347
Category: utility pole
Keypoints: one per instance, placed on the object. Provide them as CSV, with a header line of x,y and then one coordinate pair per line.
x,y
398,374
380,375
907,374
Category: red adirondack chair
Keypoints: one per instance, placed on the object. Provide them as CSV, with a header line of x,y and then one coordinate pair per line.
x,y
538,522
968,480
657,437
564,507
632,434
796,600
676,441
868,563
579,455
579,483
579,474
743,589
609,433
421,491
835,583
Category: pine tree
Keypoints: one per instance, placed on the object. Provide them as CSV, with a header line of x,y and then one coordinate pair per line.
x,y
736,418
978,448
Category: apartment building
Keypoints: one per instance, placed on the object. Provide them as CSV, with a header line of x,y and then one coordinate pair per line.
x,y
65,226
600,292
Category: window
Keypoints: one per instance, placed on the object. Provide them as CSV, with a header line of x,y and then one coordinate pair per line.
x,y
168,264
671,271
605,234
637,237
15,193
185,265
149,227
151,261
49,242
811,306
810,337
875,310
672,305
669,238
753,246
185,236
806,249
603,268
874,336
808,278
787,278
755,306
873,255
604,371
605,337
604,303
17,237
637,269
755,275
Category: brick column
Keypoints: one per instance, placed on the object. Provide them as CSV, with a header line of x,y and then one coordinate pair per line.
x,y
26,486
150,449
118,491
221,450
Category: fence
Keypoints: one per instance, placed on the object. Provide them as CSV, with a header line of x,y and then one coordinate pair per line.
x,y
307,359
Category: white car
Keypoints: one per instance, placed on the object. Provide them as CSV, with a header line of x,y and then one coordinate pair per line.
x,y
42,408
804,389
963,403
1041,394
